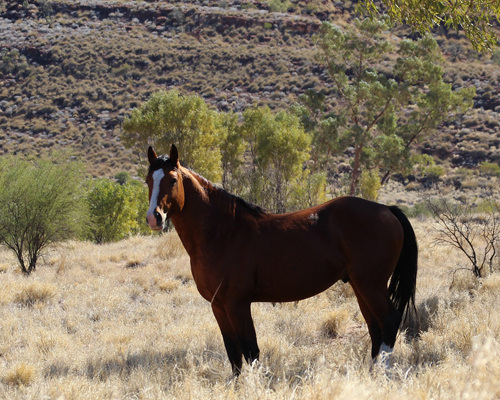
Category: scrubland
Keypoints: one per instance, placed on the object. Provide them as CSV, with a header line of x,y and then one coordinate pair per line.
x,y
125,321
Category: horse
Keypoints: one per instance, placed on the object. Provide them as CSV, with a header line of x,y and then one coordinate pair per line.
x,y
241,254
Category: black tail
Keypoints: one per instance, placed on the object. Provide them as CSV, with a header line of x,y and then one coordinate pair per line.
x,y
404,277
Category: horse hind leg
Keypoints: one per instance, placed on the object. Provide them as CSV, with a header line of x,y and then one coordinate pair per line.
x,y
382,318
373,326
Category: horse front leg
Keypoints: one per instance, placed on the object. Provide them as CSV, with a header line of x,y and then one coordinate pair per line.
x,y
231,342
240,318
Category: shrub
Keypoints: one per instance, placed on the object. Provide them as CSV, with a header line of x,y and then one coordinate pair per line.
x,y
369,184
279,5
434,172
489,169
475,234
40,203
116,210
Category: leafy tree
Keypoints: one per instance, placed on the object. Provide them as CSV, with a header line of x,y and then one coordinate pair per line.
x,y
474,17
116,210
187,121
216,145
278,148
322,126
41,203
232,150
382,115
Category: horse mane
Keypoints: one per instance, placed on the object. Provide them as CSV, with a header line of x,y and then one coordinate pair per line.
x,y
245,205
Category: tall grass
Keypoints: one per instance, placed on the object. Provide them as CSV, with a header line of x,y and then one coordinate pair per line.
x,y
107,330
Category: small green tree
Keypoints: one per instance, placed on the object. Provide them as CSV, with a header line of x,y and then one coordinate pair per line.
x,y
232,150
382,115
116,210
41,203
187,121
369,184
278,148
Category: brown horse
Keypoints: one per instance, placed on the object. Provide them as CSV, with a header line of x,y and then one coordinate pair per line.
x,y
241,254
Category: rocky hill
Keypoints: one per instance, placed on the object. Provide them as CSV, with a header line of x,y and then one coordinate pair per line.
x,y
70,71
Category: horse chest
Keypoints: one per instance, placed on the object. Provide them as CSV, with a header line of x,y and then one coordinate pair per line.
x,y
208,281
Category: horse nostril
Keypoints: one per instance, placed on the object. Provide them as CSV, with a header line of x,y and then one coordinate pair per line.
x,y
159,219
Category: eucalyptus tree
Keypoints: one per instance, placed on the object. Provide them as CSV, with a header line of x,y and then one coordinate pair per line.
x,y
278,148
186,120
384,107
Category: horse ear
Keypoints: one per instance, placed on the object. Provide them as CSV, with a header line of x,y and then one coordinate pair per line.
x,y
174,155
151,155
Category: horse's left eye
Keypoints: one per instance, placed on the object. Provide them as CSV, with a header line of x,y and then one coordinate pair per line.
x,y
173,181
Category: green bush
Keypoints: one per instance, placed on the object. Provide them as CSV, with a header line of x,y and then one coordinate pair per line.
x,y
40,203
417,210
489,169
279,5
369,184
434,172
116,210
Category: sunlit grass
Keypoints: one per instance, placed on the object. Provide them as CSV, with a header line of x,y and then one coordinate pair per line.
x,y
98,328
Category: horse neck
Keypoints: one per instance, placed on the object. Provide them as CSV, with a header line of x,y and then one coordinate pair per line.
x,y
194,222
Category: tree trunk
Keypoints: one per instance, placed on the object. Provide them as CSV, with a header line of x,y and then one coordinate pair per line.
x,y
32,266
355,169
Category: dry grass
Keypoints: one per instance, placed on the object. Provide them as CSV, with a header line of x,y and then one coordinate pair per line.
x,y
125,321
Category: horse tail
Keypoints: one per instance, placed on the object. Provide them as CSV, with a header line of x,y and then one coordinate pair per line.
x,y
404,278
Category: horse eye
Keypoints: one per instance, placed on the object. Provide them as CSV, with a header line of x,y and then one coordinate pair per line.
x,y
173,181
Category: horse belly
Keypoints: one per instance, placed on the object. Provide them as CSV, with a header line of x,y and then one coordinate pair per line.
x,y
297,274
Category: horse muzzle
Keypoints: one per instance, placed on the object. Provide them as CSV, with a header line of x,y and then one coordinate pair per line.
x,y
156,219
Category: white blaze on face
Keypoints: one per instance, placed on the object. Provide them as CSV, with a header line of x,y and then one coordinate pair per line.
x,y
157,177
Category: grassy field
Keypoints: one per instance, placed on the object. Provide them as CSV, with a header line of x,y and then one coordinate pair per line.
x,y
125,321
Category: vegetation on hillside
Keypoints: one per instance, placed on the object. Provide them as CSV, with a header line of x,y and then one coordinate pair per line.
x,y
73,71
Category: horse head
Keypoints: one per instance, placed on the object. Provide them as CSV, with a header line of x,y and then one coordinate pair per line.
x,y
166,190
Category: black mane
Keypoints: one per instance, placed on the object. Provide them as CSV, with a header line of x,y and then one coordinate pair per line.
x,y
253,209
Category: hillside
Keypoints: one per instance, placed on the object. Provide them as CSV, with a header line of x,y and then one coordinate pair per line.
x,y
72,70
